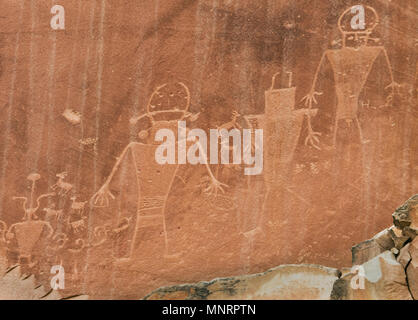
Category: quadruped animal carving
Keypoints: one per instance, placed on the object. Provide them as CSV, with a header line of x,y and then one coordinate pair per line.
x,y
55,233
52,214
61,185
78,206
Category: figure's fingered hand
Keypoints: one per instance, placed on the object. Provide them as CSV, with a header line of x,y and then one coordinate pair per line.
x,y
101,198
214,187
313,140
310,97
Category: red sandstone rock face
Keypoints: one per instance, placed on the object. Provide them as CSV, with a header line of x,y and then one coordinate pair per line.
x,y
69,96
382,269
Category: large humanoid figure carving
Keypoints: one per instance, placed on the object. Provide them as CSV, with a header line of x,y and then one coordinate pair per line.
x,y
351,66
153,181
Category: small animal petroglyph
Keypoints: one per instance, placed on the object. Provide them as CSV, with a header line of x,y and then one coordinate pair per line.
x,y
233,123
64,187
78,226
52,214
123,225
78,206
351,65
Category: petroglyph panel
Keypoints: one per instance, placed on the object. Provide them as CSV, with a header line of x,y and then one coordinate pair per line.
x,y
109,166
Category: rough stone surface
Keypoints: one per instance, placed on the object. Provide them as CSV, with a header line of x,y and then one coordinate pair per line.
x,y
369,249
406,217
412,269
398,238
301,282
16,286
384,279
404,256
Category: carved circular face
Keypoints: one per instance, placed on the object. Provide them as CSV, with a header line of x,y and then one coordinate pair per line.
x,y
169,102
358,19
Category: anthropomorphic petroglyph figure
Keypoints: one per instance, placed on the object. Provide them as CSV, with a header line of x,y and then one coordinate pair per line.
x,y
30,230
30,211
282,124
64,187
166,107
351,65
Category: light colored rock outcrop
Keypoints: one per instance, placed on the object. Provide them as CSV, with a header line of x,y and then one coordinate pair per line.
x,y
406,217
389,261
16,286
412,269
368,249
282,283
404,230
385,267
381,278
404,256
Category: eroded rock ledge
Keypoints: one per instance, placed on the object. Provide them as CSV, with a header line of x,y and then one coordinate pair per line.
x,y
383,268
16,285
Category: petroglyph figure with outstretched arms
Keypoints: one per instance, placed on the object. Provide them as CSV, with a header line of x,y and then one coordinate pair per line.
x,y
167,108
351,65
